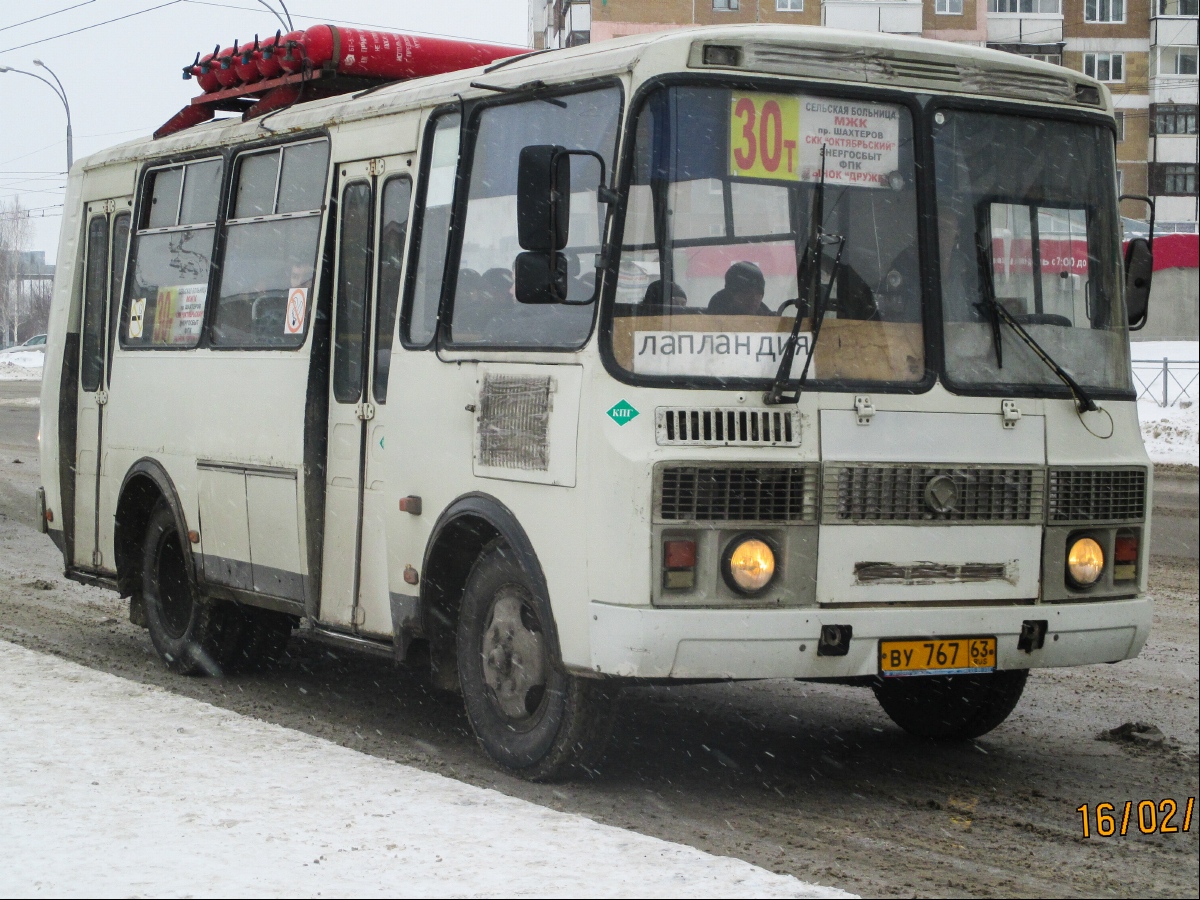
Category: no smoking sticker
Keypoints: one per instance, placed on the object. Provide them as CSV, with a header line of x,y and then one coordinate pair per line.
x,y
297,305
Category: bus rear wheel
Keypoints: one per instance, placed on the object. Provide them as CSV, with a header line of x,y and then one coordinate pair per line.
x,y
193,634
953,707
529,714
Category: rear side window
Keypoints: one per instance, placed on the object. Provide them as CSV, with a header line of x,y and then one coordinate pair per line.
x,y
432,240
172,256
265,295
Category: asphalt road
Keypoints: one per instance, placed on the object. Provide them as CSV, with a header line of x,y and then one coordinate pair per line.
x,y
811,780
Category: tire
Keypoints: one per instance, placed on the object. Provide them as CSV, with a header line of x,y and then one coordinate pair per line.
x,y
529,714
195,635
186,630
951,708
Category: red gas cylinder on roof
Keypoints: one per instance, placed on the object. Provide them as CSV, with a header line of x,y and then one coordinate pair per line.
x,y
223,67
246,64
292,59
205,73
269,54
384,55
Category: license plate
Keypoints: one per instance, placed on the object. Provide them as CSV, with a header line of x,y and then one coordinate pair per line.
x,y
947,656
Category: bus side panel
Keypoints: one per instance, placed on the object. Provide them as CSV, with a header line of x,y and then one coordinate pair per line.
x,y
61,372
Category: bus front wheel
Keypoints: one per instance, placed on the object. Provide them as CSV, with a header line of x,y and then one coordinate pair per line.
x,y
529,714
953,707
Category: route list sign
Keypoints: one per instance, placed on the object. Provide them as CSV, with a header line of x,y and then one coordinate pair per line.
x,y
780,136
722,354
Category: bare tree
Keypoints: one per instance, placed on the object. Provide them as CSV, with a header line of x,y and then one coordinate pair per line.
x,y
14,295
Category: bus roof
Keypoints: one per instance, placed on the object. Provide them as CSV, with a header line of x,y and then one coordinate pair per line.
x,y
804,51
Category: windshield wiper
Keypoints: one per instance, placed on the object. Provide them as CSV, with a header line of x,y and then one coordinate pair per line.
x,y
996,313
811,297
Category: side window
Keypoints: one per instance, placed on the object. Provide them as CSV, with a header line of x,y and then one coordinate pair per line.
x,y
353,287
120,245
393,229
91,364
172,256
433,234
486,311
271,247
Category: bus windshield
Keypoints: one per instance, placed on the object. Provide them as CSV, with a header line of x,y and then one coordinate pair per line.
x,y
718,217
1027,219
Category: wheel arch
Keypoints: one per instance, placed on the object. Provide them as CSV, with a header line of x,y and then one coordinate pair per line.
x,y
144,485
458,538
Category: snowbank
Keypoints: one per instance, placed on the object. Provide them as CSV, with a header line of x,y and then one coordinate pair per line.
x,y
112,787
22,365
1172,435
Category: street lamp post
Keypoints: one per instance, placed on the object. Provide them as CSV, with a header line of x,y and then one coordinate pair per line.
x,y
60,92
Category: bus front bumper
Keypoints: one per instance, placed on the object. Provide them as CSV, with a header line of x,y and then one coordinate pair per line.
x,y
647,642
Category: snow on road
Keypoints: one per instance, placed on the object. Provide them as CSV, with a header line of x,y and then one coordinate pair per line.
x,y
111,787
22,365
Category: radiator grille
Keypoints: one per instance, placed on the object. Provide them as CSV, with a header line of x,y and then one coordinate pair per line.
x,y
514,417
1097,495
743,494
725,427
899,494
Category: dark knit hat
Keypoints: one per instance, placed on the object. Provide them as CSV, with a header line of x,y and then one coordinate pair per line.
x,y
745,276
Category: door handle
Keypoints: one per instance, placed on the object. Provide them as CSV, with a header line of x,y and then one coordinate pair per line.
x,y
365,411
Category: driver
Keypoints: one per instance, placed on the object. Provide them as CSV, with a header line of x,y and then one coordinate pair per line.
x,y
743,293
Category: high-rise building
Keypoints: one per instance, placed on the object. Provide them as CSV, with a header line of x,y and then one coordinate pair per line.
x,y
1144,50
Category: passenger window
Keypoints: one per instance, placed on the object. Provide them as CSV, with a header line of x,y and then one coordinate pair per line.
x,y
164,198
172,256
393,229
201,193
264,299
120,245
91,365
352,293
432,236
485,310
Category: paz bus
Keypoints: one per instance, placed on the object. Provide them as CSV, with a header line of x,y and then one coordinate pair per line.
x,y
727,353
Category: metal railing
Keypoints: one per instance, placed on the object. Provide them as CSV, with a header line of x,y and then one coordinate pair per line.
x,y
1166,381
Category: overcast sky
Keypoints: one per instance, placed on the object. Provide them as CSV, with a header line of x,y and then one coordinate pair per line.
x,y
123,78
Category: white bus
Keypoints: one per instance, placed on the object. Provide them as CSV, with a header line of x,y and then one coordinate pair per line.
x,y
732,353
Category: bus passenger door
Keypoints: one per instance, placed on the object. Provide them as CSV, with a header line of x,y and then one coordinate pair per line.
x,y
106,241
372,229
393,196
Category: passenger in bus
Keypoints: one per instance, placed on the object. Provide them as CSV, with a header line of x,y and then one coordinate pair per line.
x,y
498,283
302,275
654,303
743,293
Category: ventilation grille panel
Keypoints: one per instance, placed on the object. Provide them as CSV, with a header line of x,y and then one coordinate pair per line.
x,y
898,494
737,494
683,427
1097,495
514,419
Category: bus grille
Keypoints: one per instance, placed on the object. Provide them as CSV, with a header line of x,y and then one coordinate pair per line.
x,y
885,494
725,427
1097,495
741,494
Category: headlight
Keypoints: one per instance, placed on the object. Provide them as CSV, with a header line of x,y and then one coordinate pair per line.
x,y
749,564
1085,562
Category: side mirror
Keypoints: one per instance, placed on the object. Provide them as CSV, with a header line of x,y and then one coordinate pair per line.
x,y
538,280
543,198
1139,272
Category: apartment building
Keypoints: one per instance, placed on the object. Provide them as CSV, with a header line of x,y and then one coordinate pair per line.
x,y
1145,50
